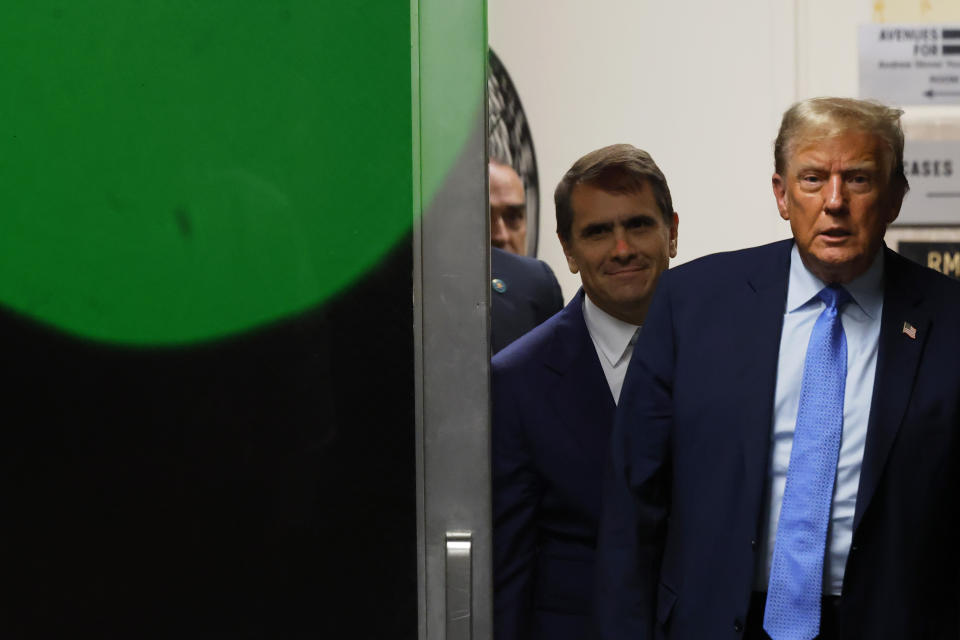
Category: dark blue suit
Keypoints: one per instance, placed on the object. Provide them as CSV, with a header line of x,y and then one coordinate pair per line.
x,y
552,415
530,294
684,497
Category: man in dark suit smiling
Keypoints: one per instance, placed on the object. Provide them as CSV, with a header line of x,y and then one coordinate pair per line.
x,y
555,389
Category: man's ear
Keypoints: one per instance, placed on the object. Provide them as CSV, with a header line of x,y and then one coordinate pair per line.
x,y
780,193
673,235
895,201
571,261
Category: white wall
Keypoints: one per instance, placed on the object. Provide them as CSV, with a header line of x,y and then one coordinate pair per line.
x,y
699,84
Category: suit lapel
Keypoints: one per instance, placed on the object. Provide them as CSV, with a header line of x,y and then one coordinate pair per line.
x,y
761,320
897,359
581,395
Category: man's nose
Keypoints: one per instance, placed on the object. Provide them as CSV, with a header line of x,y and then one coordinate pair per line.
x,y
834,197
498,231
621,248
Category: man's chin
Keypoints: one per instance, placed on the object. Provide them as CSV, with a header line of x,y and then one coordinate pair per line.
x,y
837,264
630,292
635,299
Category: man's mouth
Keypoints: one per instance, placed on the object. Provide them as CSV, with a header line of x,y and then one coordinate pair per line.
x,y
836,233
626,270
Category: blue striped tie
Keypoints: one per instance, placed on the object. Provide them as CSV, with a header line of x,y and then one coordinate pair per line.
x,y
796,573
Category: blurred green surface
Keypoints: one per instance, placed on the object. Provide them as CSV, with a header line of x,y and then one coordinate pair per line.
x,y
175,171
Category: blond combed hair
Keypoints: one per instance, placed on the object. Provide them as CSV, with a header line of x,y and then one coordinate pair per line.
x,y
826,117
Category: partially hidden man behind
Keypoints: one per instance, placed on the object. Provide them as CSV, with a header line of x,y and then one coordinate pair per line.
x,y
525,290
784,462
555,389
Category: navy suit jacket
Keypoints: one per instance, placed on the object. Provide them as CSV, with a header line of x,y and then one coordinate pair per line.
x,y
530,295
685,493
552,415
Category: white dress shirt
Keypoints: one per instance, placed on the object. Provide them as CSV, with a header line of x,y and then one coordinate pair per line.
x,y
613,339
861,326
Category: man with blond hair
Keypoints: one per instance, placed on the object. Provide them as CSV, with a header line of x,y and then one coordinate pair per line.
x,y
785,453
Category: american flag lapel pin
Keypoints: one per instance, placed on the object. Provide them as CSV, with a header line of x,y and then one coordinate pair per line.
x,y
910,330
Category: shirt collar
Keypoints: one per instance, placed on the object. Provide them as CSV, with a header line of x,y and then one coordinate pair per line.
x,y
866,290
611,335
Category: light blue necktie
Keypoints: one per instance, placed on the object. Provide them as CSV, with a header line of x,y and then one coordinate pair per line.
x,y
796,573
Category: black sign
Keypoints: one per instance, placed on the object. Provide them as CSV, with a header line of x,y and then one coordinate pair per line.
x,y
942,256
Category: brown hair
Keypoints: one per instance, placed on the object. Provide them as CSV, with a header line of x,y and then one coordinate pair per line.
x,y
619,168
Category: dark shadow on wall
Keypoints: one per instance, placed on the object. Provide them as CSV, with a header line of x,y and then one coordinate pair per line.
x,y
259,487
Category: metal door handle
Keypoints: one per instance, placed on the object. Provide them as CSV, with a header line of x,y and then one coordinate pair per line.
x,y
458,604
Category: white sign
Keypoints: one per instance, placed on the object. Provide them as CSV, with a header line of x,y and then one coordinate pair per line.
x,y
910,64
933,170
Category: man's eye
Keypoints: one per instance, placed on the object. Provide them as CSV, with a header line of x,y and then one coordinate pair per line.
x,y
638,223
513,216
594,232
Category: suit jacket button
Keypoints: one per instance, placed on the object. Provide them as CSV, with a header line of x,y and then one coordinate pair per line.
x,y
737,626
753,545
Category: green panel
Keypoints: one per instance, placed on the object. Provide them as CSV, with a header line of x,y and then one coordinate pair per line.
x,y
178,170
453,58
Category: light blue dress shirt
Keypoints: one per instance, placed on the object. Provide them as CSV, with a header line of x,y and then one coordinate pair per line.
x,y
861,325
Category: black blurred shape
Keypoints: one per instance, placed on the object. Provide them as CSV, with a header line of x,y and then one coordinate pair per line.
x,y
258,487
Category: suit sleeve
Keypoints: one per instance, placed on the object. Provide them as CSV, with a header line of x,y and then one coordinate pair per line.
x,y
516,496
636,484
